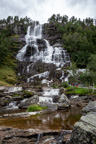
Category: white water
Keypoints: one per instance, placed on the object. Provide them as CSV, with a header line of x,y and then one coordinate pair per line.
x,y
41,75
12,89
45,100
12,105
50,92
55,55
48,95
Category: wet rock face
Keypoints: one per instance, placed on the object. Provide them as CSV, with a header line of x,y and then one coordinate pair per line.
x,y
30,51
29,101
84,131
51,33
42,45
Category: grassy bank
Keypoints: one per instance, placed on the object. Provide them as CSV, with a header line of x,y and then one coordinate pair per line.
x,y
79,91
7,76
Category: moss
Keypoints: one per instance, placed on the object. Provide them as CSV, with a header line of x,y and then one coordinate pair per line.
x,y
33,108
16,95
16,36
28,93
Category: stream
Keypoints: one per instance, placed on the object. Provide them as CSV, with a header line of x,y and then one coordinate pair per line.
x,y
50,121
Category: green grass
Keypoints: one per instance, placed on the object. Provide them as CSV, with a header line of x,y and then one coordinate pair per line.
x,y
7,76
16,36
79,91
33,108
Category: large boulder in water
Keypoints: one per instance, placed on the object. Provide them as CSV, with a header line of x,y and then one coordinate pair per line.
x,y
62,100
84,131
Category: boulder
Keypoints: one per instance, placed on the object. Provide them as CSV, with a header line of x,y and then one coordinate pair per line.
x,y
84,131
62,101
91,107
29,101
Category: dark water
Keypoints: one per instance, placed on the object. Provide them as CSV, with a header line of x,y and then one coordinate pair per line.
x,y
50,121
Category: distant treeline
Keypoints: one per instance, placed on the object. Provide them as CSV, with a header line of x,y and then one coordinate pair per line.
x,y
78,37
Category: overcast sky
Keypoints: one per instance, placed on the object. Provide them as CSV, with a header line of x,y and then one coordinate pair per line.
x,y
41,10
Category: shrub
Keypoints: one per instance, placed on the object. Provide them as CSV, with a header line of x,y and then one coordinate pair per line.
x,y
28,93
55,86
33,108
65,84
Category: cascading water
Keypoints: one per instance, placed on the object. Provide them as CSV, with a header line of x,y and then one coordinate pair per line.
x,y
55,55
33,51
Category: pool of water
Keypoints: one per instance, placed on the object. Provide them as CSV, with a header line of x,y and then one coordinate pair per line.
x,y
50,121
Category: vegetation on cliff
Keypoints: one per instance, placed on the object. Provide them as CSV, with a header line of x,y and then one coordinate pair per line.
x,y
11,29
78,37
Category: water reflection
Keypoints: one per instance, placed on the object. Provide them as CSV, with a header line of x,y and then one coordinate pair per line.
x,y
52,121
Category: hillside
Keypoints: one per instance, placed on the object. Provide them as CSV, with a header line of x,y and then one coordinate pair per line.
x,y
76,36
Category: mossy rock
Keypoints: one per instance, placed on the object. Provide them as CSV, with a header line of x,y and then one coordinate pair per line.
x,y
28,94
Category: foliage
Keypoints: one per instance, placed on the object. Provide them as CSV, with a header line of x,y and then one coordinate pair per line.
x,y
7,75
76,90
54,85
78,37
28,93
65,84
33,108
10,30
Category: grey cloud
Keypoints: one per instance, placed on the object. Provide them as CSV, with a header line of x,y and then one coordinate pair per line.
x,y
42,9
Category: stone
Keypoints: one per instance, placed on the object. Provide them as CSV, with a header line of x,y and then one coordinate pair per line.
x,y
84,131
29,101
62,101
91,107
32,136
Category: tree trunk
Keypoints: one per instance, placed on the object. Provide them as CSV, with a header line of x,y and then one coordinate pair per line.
x,y
93,86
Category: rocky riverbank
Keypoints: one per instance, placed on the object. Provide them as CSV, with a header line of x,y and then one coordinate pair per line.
x,y
17,136
84,131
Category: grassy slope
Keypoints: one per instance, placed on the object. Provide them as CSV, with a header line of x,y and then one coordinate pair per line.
x,y
7,71
7,76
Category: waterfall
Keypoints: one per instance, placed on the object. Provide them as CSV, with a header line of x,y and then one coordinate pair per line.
x,y
55,55
39,49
